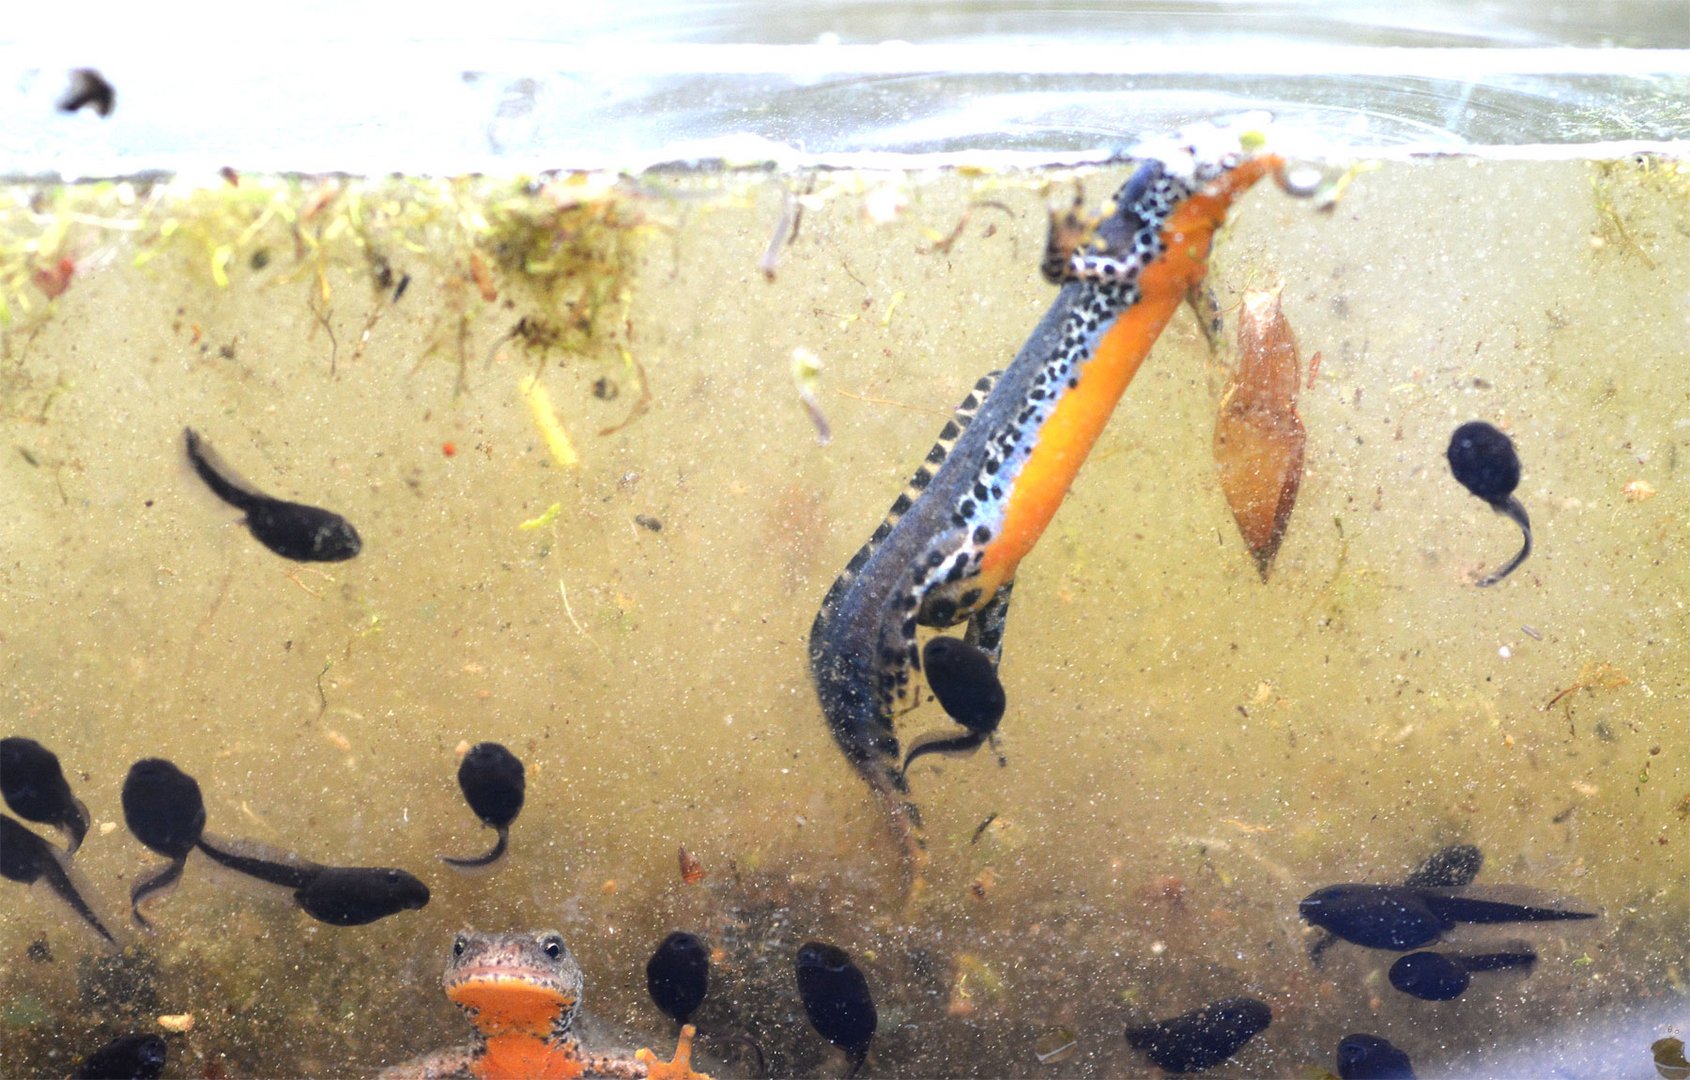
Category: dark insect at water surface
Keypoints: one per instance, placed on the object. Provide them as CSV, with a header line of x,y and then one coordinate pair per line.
x,y
1368,1057
494,785
291,530
1432,976
28,859
137,1056
164,809
678,975
88,88
837,1000
35,788
1484,462
965,682
1201,1038
1401,918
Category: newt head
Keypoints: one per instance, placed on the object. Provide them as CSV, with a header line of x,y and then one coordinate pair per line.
x,y
515,984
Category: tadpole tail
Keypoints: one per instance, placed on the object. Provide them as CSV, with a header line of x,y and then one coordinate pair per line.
x,y
147,887
1515,512
58,879
742,1039
857,1060
77,827
940,743
1498,961
488,859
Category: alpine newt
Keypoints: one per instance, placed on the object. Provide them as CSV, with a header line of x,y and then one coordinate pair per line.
x,y
948,550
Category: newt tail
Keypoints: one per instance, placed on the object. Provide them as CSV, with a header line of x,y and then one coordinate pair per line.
x,y
948,550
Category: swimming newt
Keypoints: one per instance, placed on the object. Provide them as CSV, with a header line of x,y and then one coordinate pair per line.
x,y
948,550
522,993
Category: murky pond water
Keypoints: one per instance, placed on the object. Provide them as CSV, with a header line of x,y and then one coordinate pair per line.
x,y
598,521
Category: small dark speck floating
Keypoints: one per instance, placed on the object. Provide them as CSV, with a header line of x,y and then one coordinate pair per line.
x,y
127,1057
36,789
1484,462
1368,1057
837,1000
494,784
292,530
1202,1038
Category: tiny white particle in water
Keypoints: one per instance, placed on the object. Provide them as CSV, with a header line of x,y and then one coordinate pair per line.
x,y
1157,948
1505,652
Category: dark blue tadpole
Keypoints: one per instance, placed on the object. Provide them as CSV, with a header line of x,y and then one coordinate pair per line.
x,y
35,787
356,895
1368,1057
29,860
836,999
1432,976
128,1057
1484,462
1402,918
164,809
1451,867
494,784
337,895
1203,1037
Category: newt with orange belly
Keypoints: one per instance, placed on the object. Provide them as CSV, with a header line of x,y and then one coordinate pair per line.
x,y
948,550
522,993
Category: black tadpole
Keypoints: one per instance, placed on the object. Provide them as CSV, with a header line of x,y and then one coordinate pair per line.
x,y
965,681
1201,1038
292,530
836,999
494,785
1484,462
1432,976
163,807
35,788
678,975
